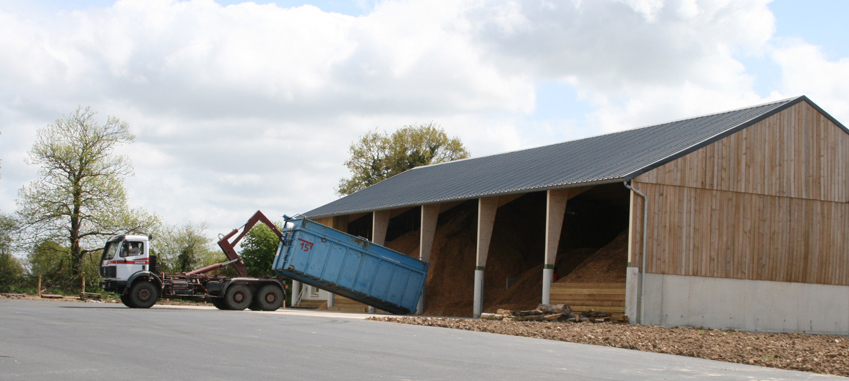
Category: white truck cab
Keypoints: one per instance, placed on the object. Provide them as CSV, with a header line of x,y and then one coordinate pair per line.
x,y
125,258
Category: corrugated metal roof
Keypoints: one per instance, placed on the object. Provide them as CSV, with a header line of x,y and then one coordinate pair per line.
x,y
607,158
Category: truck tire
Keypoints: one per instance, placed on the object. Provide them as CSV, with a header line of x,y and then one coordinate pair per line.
x,y
238,297
143,294
127,302
269,298
218,303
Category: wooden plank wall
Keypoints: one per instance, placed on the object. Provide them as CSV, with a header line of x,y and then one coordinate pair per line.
x,y
604,297
796,153
744,236
767,203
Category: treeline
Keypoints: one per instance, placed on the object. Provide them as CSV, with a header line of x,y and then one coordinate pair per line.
x,y
178,249
79,200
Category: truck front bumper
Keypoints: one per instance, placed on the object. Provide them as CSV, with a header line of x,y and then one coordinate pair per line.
x,y
113,285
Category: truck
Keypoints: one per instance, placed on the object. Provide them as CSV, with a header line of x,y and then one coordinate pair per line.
x,y
308,252
129,269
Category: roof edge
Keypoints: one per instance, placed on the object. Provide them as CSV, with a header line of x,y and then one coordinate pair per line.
x,y
482,195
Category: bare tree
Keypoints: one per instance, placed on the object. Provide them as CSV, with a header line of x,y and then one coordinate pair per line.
x,y
80,196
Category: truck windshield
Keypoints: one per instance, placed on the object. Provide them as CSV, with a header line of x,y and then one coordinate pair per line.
x,y
110,250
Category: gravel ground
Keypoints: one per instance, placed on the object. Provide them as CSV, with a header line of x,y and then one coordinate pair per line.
x,y
812,353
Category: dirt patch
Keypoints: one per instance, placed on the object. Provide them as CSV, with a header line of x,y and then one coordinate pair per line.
x,y
607,265
526,292
516,251
794,351
406,244
59,298
451,275
69,298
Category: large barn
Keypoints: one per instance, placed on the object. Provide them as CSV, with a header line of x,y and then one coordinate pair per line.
x,y
730,220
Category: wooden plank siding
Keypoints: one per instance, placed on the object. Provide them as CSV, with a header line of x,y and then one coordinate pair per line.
x,y
742,235
770,202
796,153
605,297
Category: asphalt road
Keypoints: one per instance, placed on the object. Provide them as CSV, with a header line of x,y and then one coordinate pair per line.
x,y
42,340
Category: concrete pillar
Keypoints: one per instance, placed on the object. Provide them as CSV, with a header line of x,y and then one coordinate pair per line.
x,y
478,301
331,299
555,209
296,290
547,276
430,214
486,220
632,294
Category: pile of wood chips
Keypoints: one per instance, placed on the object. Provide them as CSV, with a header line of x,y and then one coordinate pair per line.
x,y
551,312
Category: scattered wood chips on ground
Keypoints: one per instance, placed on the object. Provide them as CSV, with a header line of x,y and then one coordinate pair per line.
x,y
795,351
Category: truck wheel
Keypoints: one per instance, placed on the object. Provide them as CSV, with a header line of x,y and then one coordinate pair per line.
x,y
218,303
238,297
127,302
143,294
269,298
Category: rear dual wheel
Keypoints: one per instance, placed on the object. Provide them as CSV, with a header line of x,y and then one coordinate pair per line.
x,y
238,297
269,298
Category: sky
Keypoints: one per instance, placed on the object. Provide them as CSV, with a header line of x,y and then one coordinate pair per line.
x,y
244,106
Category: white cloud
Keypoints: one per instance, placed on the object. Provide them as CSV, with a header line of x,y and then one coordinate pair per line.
x,y
806,71
629,52
251,106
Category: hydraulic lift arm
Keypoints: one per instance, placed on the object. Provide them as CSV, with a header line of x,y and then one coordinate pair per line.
x,y
230,251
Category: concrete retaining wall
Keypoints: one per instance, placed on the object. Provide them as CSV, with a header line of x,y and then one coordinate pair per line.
x,y
748,305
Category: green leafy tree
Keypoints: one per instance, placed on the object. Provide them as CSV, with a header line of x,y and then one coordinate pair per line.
x,y
258,249
184,248
52,261
378,156
80,196
11,269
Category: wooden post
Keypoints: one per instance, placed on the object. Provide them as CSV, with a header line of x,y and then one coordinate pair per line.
x,y
83,291
339,223
39,285
486,220
379,224
555,210
430,214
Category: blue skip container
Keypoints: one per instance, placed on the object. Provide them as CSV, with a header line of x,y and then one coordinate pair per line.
x,y
350,266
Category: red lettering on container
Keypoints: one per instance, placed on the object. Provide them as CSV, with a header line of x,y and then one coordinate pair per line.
x,y
305,245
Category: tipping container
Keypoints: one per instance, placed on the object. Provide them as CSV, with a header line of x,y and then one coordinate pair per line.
x,y
350,266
